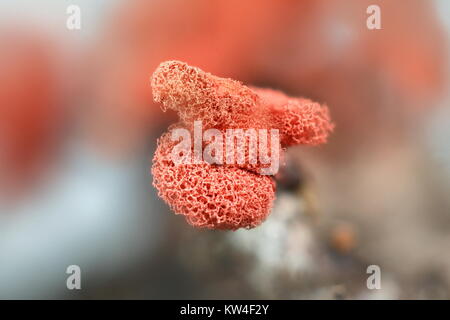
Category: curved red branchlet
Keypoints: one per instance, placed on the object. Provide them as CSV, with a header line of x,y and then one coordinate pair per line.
x,y
198,95
229,196
300,121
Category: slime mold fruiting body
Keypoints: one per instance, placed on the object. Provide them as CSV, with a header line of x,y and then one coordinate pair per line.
x,y
228,196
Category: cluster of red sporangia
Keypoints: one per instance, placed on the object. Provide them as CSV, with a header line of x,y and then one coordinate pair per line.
x,y
228,196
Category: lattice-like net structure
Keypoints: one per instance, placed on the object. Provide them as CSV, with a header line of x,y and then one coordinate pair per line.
x,y
226,196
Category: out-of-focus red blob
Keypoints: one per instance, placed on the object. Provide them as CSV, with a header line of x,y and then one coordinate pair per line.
x,y
410,49
409,52
28,109
375,80
231,195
